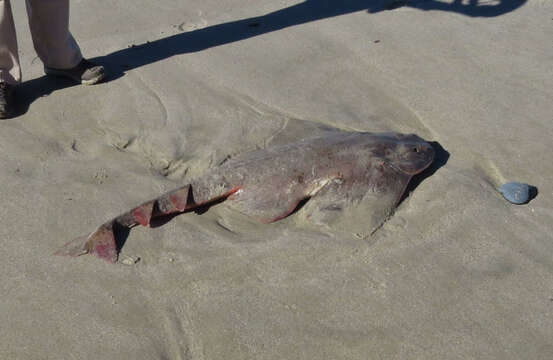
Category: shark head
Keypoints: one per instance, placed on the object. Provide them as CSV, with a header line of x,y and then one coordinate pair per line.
x,y
410,154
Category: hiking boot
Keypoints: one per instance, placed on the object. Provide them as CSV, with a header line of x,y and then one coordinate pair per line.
x,y
7,101
85,72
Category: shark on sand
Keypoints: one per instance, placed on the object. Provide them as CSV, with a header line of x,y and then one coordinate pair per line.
x,y
324,173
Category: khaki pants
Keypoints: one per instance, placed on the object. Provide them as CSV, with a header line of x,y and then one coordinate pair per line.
x,y
54,44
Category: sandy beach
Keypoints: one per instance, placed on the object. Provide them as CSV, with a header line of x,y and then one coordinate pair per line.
x,y
456,273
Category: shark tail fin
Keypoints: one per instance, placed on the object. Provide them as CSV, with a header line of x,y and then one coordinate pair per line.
x,y
100,243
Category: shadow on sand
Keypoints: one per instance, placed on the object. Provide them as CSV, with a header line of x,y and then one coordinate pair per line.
x,y
118,62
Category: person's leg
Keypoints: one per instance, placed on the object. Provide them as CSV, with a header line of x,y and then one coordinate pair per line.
x,y
10,72
54,44
49,23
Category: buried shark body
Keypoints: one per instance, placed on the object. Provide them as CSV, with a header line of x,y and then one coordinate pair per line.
x,y
334,171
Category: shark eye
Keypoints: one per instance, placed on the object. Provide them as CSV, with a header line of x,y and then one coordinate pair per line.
x,y
416,149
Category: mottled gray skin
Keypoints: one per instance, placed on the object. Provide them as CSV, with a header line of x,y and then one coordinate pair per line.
x,y
332,171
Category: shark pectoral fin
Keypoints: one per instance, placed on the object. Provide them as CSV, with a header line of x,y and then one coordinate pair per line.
x,y
100,243
326,202
264,207
268,206
360,205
